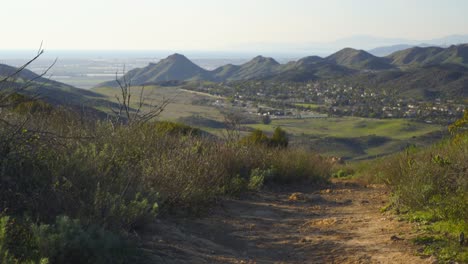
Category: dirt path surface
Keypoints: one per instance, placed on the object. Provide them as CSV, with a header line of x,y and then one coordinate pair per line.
x,y
340,223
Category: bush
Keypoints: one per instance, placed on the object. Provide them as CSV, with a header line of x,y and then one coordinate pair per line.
x,y
88,180
279,138
434,179
66,241
256,137
431,186
258,178
295,165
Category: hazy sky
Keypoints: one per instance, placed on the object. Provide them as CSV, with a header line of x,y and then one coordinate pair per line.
x,y
219,24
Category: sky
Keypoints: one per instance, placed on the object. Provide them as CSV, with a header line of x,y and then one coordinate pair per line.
x,y
220,24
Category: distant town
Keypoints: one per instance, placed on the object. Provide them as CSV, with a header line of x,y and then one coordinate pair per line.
x,y
319,99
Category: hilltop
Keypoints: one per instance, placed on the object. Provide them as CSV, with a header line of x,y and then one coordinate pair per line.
x,y
259,67
359,59
174,67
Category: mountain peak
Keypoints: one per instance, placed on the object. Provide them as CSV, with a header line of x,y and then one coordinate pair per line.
x,y
353,52
358,59
177,57
262,59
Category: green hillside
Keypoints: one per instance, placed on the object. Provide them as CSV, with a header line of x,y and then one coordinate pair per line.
x,y
428,82
312,68
417,56
259,67
174,67
358,59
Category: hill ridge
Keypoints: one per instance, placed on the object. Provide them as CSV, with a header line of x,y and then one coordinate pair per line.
x,y
344,62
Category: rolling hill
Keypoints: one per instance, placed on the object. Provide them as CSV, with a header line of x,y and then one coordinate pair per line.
x,y
258,68
174,67
359,59
31,84
418,56
427,82
312,68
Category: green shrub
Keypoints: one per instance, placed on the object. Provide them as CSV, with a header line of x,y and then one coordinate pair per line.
x,y
256,137
279,138
5,256
343,172
430,186
119,178
295,165
259,176
66,241
434,179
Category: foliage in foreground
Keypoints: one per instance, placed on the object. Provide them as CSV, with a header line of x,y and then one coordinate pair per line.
x,y
430,186
73,189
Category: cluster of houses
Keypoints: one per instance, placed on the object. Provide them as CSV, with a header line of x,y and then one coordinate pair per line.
x,y
335,99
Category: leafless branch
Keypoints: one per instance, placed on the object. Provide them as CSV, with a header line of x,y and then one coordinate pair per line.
x,y
20,69
125,113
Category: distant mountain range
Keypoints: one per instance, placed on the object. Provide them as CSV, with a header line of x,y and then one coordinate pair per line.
x,y
343,63
364,42
387,50
371,42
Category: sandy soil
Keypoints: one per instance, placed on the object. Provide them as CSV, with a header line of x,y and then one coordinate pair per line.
x,y
340,223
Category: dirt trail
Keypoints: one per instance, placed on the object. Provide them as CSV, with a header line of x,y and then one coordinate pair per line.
x,y
340,223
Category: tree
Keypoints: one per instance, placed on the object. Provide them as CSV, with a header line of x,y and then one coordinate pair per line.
x,y
266,119
279,138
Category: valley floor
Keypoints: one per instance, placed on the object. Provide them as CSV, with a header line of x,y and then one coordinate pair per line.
x,y
340,223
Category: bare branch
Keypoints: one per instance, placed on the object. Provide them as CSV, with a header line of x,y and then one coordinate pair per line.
x,y
20,69
124,109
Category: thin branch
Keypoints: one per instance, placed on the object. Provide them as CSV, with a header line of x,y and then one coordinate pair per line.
x,y
20,69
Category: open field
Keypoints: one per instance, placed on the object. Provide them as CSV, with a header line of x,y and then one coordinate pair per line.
x,y
312,106
182,104
352,127
354,137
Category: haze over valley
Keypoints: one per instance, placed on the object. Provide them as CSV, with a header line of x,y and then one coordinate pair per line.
x,y
266,131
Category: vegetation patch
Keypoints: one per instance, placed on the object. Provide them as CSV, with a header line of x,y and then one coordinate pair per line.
x,y
430,186
74,189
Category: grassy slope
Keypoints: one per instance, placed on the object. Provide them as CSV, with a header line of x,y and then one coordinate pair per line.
x,y
352,127
348,136
181,101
